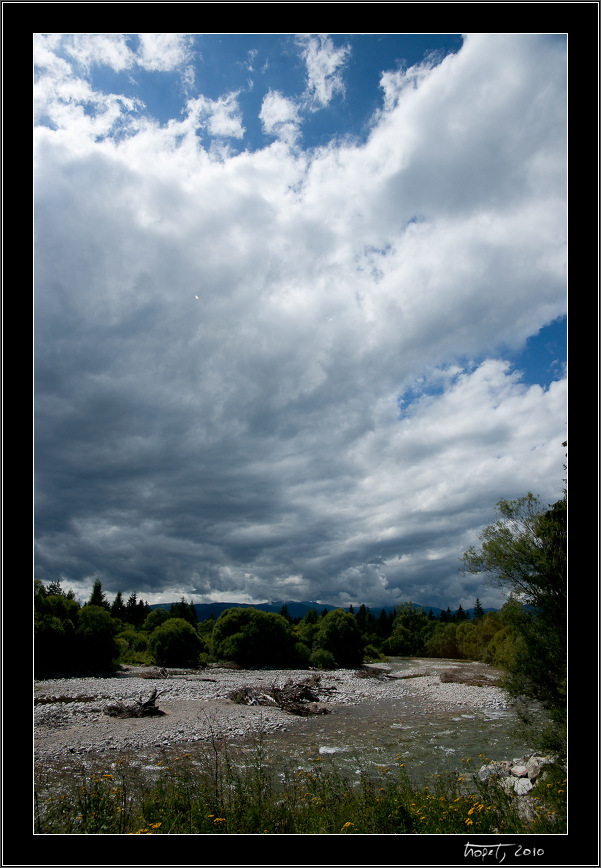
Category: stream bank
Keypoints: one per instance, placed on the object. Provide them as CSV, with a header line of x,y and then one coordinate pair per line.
x,y
430,714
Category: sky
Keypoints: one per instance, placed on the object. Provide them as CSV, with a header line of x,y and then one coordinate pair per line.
x,y
299,310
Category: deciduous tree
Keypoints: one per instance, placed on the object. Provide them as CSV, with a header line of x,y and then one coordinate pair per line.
x,y
525,552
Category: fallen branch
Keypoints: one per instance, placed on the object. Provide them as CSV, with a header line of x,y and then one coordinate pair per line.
x,y
296,698
139,708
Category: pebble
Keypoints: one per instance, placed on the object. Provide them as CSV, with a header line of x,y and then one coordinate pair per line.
x,y
69,712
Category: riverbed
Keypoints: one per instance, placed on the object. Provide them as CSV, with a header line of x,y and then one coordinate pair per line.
x,y
431,715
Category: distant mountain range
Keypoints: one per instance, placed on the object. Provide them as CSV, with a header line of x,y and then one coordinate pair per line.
x,y
295,609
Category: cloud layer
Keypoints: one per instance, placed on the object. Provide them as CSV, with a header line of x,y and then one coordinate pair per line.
x,y
276,373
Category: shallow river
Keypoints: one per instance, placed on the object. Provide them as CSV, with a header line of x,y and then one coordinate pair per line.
x,y
386,732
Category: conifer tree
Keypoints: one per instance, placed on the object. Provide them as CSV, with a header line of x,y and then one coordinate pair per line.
x,y
478,610
98,598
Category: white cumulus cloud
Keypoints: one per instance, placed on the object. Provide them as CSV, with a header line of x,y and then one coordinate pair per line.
x,y
283,368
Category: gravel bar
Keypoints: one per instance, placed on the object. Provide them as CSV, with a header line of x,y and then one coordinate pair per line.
x,y
70,718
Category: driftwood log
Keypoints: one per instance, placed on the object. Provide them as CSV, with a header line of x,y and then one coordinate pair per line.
x,y
375,672
138,708
299,697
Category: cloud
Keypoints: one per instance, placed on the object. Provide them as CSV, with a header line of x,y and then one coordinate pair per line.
x,y
100,49
277,373
223,116
324,63
280,117
163,51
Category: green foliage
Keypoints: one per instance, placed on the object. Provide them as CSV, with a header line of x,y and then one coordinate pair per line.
x,y
70,638
96,645
133,645
98,598
442,641
478,610
322,659
209,792
302,654
526,552
410,632
118,607
184,610
136,611
154,619
468,637
308,627
252,637
371,653
55,621
339,634
175,643
500,651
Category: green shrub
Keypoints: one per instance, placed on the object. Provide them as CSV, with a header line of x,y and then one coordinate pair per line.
x,y
339,634
302,655
322,659
154,619
371,653
251,637
443,641
410,631
133,646
55,621
96,640
175,643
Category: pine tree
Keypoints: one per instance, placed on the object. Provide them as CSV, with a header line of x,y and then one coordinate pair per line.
x,y
118,607
98,598
478,610
361,617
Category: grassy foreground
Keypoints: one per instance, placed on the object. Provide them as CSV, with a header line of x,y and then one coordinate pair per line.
x,y
216,791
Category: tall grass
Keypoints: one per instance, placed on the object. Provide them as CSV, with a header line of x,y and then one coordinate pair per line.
x,y
216,790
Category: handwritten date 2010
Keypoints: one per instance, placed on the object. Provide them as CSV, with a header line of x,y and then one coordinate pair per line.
x,y
498,852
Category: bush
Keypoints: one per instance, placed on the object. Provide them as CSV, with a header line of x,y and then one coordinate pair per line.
x,y
133,646
339,634
175,643
370,653
53,642
322,659
443,641
96,640
252,637
500,650
410,632
154,619
302,655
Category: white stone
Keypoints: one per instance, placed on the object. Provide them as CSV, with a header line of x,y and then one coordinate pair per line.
x,y
522,786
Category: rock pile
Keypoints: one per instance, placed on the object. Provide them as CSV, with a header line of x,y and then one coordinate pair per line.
x,y
518,775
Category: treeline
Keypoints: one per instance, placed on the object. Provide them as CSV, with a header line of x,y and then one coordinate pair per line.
x,y
98,636
523,552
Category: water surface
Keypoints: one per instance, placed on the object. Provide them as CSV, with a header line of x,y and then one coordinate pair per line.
x,y
405,730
